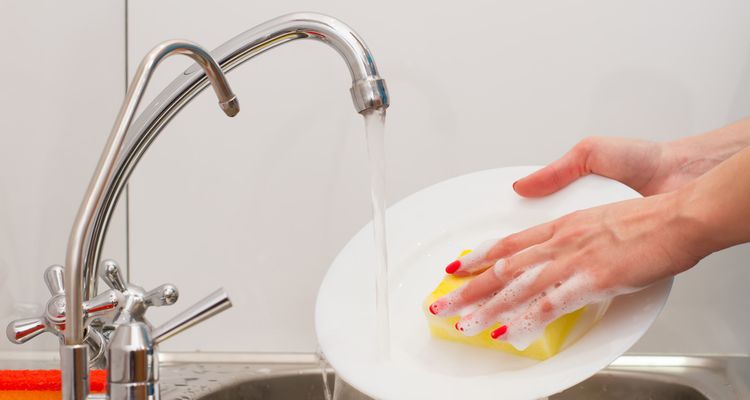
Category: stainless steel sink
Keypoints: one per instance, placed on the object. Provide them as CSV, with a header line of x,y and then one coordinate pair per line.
x,y
270,376
629,377
309,386
629,385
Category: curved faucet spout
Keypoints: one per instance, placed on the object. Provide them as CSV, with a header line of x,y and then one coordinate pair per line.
x,y
127,144
368,88
90,220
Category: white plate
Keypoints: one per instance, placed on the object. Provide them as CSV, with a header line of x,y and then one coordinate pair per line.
x,y
427,230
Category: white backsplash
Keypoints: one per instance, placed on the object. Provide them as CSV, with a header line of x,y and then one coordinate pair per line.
x,y
261,203
64,78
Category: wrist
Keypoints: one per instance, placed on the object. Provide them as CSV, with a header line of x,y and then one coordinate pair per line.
x,y
693,222
704,151
706,219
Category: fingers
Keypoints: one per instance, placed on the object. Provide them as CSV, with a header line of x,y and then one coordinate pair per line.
x,y
559,173
489,283
528,325
473,293
508,257
514,293
632,162
475,261
489,252
525,289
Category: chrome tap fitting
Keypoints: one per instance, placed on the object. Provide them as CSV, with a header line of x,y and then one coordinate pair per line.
x,y
132,359
53,320
136,300
126,145
123,153
87,235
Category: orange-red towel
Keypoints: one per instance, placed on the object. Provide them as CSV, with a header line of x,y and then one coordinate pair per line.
x,y
41,384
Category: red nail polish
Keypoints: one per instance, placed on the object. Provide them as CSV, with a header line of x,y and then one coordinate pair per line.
x,y
499,332
458,328
433,309
453,267
514,185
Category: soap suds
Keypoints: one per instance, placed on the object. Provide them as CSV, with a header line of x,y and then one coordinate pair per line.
x,y
496,309
475,261
562,298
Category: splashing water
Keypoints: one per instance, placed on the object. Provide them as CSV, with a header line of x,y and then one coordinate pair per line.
x,y
374,129
323,364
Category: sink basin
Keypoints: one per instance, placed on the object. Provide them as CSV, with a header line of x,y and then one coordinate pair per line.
x,y
308,386
304,385
603,386
619,385
629,377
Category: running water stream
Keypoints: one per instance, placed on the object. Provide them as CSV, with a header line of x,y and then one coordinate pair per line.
x,y
374,129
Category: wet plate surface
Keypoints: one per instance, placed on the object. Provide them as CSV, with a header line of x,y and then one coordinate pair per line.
x,y
426,230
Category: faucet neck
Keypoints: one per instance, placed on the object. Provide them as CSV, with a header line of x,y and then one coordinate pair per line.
x,y
368,89
87,235
127,144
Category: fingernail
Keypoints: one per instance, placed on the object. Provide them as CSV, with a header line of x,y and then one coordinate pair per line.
x,y
499,332
514,185
433,309
453,267
458,328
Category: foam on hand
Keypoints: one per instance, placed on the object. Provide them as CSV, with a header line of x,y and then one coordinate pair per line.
x,y
538,339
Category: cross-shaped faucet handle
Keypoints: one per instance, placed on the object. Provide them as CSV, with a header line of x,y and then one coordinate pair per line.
x,y
53,319
136,299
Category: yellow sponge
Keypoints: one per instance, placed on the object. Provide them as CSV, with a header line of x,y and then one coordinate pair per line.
x,y
444,328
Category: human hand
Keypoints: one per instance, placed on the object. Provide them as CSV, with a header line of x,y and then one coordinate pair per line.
x,y
532,277
647,167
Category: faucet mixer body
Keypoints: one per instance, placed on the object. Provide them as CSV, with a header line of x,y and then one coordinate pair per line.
x,y
126,145
368,92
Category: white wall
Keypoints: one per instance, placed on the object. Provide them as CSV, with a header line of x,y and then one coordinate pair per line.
x,y
261,204
63,69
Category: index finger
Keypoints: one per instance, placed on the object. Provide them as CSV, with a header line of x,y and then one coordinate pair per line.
x,y
489,252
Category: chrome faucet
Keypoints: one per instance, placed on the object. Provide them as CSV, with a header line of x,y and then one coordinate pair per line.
x,y
112,324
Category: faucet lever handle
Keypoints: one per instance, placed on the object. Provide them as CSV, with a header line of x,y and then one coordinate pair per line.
x,y
22,330
164,295
134,300
53,277
109,271
213,304
102,304
53,319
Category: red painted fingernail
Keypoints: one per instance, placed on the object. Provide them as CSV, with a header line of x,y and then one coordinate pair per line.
x,y
458,328
514,185
453,267
433,309
499,332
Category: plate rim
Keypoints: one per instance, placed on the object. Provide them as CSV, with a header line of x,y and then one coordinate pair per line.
x,y
367,229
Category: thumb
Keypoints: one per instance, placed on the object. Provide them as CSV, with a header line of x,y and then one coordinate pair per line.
x,y
558,174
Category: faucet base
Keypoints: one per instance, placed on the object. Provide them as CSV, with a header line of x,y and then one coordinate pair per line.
x,y
74,363
130,391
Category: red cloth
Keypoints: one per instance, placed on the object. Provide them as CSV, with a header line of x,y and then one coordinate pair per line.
x,y
45,380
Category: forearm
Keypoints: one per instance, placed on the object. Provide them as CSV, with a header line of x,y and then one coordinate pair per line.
x,y
702,152
718,203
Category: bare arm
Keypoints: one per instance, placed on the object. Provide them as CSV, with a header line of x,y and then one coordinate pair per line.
x,y
648,167
529,278
720,200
